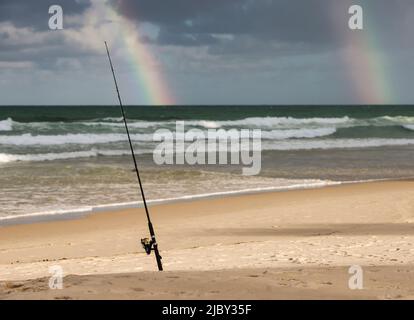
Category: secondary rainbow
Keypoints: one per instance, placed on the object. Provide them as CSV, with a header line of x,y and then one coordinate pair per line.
x,y
365,61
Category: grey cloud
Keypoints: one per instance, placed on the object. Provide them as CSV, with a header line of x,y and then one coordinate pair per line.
x,y
282,20
315,23
185,39
37,43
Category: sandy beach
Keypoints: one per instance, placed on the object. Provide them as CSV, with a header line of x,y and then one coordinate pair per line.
x,y
277,245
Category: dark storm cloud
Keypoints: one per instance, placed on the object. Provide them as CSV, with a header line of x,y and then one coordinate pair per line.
x,y
188,39
34,13
233,26
284,20
311,22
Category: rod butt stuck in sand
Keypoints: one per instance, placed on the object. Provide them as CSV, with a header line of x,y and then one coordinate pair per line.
x,y
148,244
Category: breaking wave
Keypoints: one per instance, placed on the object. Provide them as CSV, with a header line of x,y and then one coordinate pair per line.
x,y
265,123
281,145
6,125
43,141
28,139
5,158
297,133
252,122
334,144
409,126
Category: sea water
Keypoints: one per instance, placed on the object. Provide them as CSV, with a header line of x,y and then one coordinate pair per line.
x,y
57,160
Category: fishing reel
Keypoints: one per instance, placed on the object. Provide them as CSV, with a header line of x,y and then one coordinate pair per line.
x,y
148,245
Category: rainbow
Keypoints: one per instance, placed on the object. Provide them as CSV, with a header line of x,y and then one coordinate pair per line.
x,y
363,58
148,79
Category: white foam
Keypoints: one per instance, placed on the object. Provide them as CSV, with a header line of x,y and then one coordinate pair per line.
x,y
290,122
297,133
256,122
131,124
5,158
6,125
395,120
77,138
140,124
261,122
208,124
281,145
116,119
92,138
251,122
409,126
334,144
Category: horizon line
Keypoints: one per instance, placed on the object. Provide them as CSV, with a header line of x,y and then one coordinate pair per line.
x,y
208,105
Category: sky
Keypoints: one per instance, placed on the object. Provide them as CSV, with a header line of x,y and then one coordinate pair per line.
x,y
200,52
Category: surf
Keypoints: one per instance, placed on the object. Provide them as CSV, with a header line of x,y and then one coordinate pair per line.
x,y
6,125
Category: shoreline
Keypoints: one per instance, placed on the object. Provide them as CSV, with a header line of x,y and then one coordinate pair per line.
x,y
72,214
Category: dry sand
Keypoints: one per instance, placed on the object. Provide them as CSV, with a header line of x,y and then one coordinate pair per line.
x,y
293,244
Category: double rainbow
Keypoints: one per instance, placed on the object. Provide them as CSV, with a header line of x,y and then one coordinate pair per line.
x,y
363,57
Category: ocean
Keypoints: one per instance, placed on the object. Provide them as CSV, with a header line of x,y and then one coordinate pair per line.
x,y
61,160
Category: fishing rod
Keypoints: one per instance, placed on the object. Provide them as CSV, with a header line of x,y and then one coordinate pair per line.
x,y
148,244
